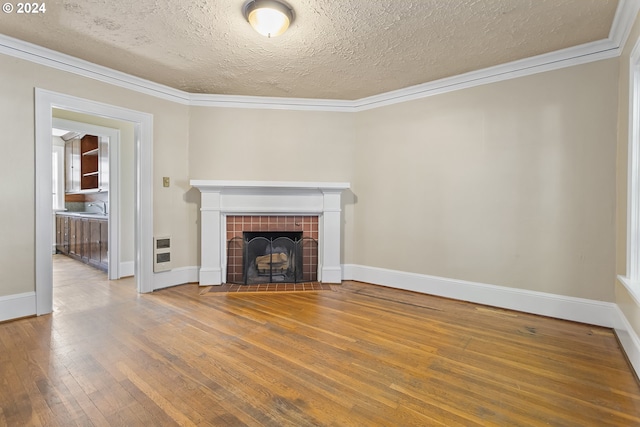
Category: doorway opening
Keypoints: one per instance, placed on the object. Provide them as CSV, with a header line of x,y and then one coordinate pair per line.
x,y
45,103
89,203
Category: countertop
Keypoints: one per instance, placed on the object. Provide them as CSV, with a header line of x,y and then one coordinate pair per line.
x,y
96,215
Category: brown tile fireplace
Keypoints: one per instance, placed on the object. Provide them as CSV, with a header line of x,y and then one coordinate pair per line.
x,y
243,263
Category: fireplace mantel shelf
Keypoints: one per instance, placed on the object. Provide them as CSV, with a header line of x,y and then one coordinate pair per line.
x,y
214,185
221,198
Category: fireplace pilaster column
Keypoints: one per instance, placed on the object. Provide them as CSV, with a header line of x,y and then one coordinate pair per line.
x,y
330,267
211,236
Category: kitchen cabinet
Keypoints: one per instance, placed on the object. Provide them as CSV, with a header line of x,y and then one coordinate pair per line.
x,y
62,234
98,244
75,237
87,165
83,238
89,162
72,166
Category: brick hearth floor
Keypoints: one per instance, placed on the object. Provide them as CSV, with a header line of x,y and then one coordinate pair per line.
x,y
272,287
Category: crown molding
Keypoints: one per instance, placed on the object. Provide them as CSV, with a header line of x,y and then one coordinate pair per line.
x,y
577,55
626,14
60,61
611,47
271,103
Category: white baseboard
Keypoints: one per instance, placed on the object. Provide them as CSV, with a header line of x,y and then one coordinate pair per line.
x,y
629,340
210,276
331,274
174,277
545,304
17,305
552,305
127,268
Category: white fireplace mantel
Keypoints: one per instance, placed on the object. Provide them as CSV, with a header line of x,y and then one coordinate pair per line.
x,y
222,198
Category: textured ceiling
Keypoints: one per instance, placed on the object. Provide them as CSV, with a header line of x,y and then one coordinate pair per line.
x,y
335,49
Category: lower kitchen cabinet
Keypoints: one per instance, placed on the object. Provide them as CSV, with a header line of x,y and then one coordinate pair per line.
x,y
98,243
62,234
83,238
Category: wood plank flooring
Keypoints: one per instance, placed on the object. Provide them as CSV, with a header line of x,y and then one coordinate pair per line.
x,y
360,356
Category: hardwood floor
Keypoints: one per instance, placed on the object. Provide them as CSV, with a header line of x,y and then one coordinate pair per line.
x,y
360,356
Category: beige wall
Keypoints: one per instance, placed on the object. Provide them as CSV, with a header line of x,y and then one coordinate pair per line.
x,y
18,79
274,145
510,184
625,301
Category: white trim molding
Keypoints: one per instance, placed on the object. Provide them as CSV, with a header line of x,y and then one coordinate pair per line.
x,y
272,103
595,51
60,61
175,277
628,339
569,57
632,279
631,288
561,307
45,101
17,306
626,14
127,268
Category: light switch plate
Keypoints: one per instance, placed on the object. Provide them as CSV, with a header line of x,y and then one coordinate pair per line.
x,y
165,181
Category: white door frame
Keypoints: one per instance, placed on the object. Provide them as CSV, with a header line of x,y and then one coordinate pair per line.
x,y
45,102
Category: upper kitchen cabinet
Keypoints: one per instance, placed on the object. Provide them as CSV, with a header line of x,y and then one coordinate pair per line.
x,y
89,172
87,165
72,166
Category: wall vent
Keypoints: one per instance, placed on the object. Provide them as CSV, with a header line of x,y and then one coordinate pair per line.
x,y
161,253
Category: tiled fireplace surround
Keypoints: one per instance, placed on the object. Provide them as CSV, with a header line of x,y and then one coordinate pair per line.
x,y
274,202
237,225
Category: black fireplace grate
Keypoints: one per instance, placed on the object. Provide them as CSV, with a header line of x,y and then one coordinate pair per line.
x,y
272,257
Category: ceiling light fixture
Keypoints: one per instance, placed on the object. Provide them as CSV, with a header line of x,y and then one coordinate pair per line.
x,y
268,17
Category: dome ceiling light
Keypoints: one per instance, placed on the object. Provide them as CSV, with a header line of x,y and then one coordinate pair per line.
x,y
268,17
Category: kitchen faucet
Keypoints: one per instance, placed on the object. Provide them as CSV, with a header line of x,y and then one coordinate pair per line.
x,y
103,206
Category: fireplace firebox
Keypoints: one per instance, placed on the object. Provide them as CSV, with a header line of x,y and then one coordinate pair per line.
x,y
274,257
